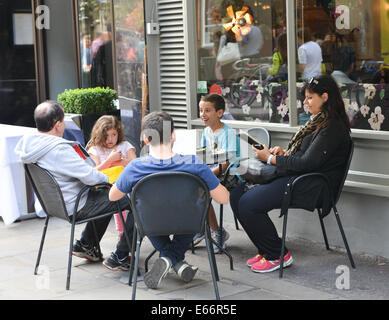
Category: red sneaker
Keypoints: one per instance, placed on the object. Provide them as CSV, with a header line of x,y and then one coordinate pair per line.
x,y
256,259
271,265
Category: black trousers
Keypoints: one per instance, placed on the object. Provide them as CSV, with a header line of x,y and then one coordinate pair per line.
x,y
252,207
96,203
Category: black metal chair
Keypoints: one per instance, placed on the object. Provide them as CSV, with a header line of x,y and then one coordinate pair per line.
x,y
50,196
334,200
169,203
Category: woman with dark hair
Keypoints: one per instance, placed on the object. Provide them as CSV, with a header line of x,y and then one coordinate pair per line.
x,y
321,145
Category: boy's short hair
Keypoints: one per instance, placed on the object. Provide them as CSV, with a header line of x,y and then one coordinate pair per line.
x,y
158,127
217,101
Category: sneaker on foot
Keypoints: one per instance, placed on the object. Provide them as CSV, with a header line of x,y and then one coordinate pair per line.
x,y
85,252
216,235
256,259
185,271
271,265
114,263
159,270
198,237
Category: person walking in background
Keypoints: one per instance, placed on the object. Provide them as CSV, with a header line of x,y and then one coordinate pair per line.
x,y
309,55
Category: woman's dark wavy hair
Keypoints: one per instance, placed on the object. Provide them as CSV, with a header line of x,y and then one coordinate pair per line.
x,y
334,106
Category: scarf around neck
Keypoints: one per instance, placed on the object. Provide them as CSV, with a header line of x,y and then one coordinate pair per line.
x,y
305,130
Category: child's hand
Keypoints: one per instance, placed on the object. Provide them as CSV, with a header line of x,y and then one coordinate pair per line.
x,y
115,156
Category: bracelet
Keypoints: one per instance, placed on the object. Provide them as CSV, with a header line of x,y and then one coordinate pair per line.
x,y
269,158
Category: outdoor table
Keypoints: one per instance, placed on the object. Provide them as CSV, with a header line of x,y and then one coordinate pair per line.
x,y
13,191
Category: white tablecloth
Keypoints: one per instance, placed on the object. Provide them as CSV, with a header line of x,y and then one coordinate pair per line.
x,y
13,198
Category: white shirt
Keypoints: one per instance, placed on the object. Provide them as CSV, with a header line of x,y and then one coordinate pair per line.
x,y
310,55
103,153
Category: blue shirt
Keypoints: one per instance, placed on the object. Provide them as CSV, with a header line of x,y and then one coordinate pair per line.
x,y
141,167
224,139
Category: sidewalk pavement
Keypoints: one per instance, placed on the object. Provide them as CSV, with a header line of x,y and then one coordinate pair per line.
x,y
312,276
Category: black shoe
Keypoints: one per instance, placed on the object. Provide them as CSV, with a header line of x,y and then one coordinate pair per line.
x,y
113,263
185,271
159,270
85,252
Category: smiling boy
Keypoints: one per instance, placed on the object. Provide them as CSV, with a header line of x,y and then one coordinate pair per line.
x,y
217,137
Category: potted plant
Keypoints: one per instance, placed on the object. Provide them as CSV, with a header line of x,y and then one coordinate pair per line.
x,y
89,105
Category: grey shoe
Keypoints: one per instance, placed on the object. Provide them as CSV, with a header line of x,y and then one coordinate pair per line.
x,y
159,270
114,263
198,237
185,271
216,235
86,252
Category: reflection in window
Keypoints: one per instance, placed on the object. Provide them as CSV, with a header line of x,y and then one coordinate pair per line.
x,y
352,39
96,43
242,56
130,46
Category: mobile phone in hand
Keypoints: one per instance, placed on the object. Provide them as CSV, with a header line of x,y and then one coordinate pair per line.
x,y
258,146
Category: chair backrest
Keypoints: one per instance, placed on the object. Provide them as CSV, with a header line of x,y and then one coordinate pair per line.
x,y
170,203
346,168
262,135
47,190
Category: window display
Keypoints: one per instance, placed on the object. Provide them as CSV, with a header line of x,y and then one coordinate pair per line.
x,y
242,54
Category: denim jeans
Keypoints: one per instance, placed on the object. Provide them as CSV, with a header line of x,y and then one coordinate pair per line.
x,y
252,207
96,203
173,249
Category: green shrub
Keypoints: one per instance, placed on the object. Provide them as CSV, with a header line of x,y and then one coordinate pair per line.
x,y
90,100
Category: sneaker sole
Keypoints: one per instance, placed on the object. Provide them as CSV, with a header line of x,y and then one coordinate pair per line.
x,y
198,240
187,274
159,270
118,268
287,263
84,256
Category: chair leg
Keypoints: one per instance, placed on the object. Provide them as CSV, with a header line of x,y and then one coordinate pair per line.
x,y
344,237
135,276
127,240
134,235
236,223
147,260
219,244
70,255
41,245
283,244
323,229
212,261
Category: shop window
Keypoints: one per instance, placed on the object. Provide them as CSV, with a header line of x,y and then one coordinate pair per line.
x,y
130,47
95,27
353,37
242,56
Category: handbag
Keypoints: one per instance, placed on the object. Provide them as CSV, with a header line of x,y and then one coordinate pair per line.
x,y
255,171
228,53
